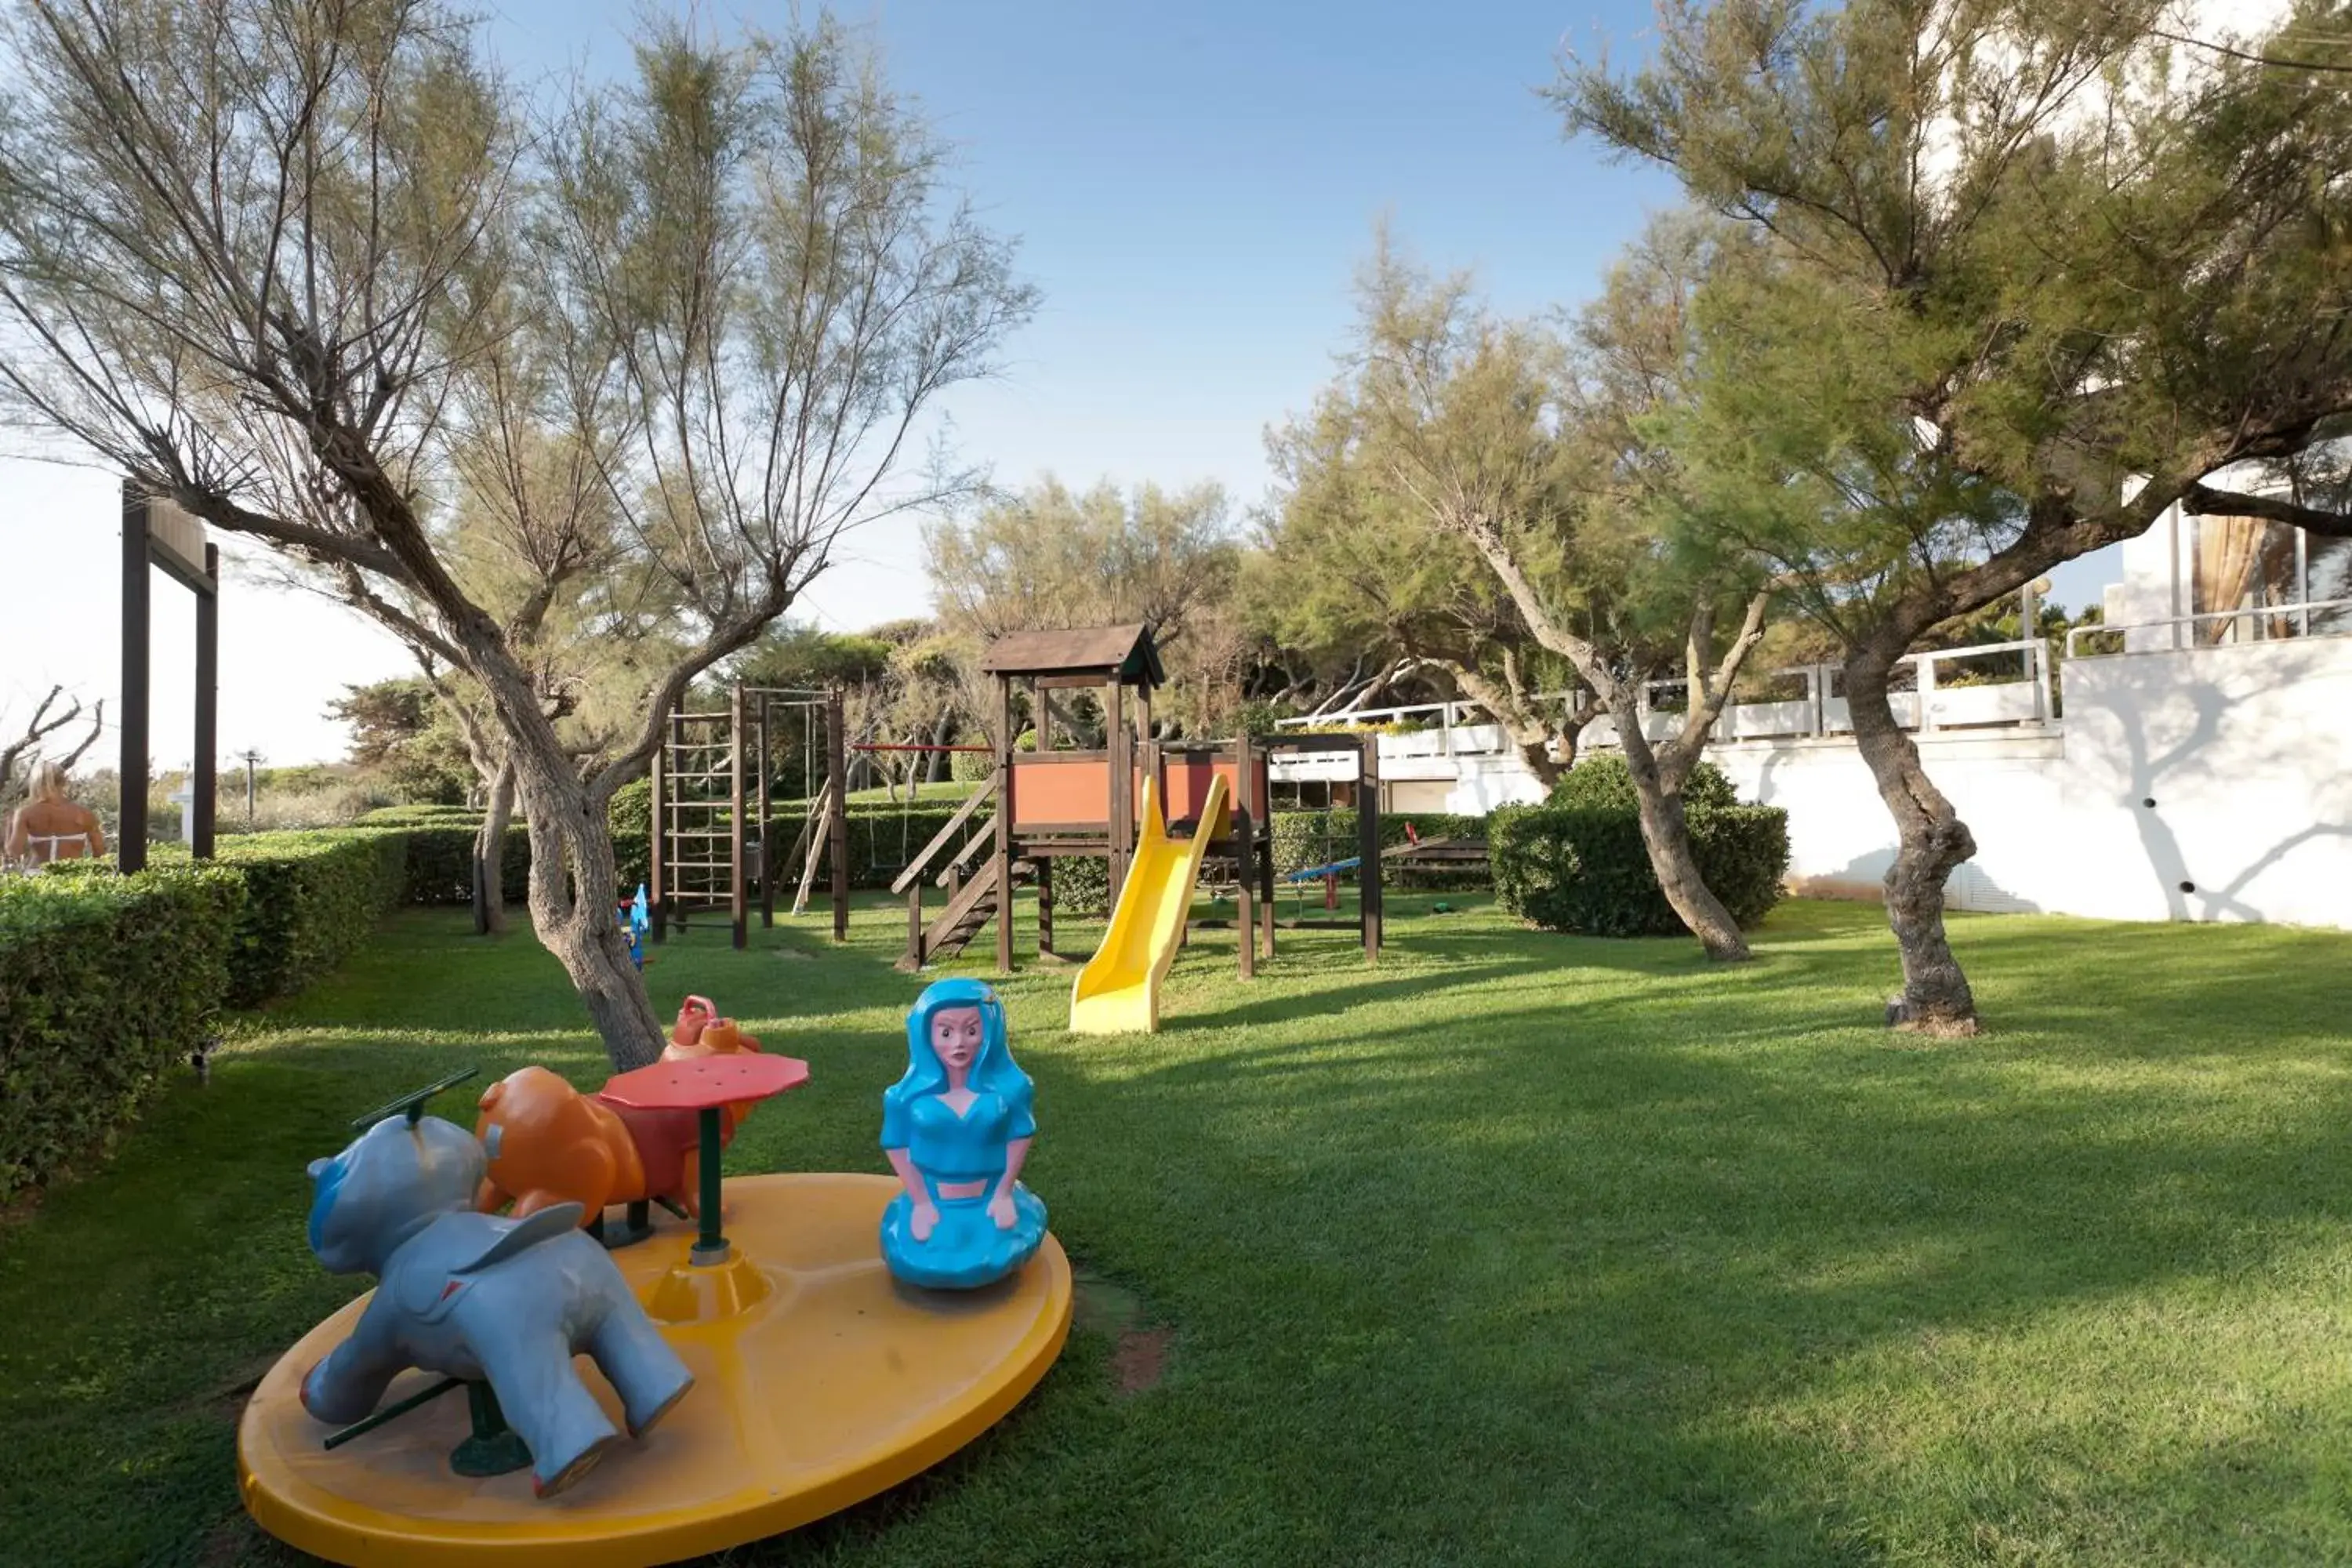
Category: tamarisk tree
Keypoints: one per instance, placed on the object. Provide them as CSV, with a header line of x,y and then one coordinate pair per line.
x,y
2026,277
257,255
1495,434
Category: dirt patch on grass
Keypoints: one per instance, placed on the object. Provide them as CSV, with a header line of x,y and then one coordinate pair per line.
x,y
1140,1359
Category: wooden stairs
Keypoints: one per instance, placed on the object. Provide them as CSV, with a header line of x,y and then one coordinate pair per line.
x,y
966,916
972,904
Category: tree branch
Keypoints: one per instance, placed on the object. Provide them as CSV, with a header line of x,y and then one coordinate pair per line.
x,y
2201,500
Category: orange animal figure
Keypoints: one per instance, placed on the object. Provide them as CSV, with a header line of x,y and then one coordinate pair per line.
x,y
549,1143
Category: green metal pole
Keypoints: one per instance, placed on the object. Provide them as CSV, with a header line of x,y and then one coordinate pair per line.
x,y
711,1247
391,1413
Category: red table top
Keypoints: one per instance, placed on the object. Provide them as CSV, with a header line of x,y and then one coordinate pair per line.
x,y
706,1081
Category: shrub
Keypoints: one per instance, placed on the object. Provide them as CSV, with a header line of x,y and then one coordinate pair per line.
x,y
441,863
104,981
630,814
1081,884
1602,779
311,901
1585,869
410,815
974,767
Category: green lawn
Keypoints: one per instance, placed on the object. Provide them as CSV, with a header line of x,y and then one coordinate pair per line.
x,y
1515,1249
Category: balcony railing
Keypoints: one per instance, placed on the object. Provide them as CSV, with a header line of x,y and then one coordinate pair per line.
x,y
1942,698
2253,618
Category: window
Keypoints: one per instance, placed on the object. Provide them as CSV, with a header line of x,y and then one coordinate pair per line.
x,y
2244,564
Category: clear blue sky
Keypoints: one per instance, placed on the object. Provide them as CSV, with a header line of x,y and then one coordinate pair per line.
x,y
1191,186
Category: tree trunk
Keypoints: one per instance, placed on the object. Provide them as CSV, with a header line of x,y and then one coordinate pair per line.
x,y
1665,834
574,892
940,763
489,854
1932,840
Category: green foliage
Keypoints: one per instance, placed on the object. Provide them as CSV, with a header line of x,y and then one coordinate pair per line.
x,y
311,899
1051,556
975,768
1082,884
798,656
105,981
1584,869
402,735
630,814
1602,779
1305,838
410,815
440,868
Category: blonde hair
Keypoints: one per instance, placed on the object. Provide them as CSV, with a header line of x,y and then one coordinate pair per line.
x,y
49,781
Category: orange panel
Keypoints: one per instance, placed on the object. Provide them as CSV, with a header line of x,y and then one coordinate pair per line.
x,y
1188,775
1064,793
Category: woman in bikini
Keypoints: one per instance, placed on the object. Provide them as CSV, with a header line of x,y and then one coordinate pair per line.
x,y
48,827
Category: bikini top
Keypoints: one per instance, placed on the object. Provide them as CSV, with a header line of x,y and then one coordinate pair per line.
x,y
43,848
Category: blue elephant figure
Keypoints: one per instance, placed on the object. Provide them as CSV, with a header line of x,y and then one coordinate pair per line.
x,y
474,1296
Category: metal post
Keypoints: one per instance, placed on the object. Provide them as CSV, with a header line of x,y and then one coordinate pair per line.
x,y
739,906
1925,665
130,773
836,768
660,910
205,788
709,1244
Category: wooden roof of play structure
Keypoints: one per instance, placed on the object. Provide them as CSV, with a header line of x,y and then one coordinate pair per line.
x,y
1125,654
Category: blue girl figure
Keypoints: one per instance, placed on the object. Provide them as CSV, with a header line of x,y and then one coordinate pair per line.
x,y
957,1128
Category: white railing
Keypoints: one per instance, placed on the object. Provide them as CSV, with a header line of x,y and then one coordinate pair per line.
x,y
1936,704
2300,612
1452,734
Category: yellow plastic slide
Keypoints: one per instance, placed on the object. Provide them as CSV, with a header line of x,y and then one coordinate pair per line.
x,y
1118,992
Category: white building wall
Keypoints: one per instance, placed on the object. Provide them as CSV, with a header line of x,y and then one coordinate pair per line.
x,y
2245,752
2207,783
1842,839
2241,749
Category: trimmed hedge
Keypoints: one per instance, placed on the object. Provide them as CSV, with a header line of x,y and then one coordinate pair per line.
x,y
441,863
104,981
1585,869
313,900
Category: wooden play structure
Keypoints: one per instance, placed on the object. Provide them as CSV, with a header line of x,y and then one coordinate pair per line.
x,y
714,829
1141,804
